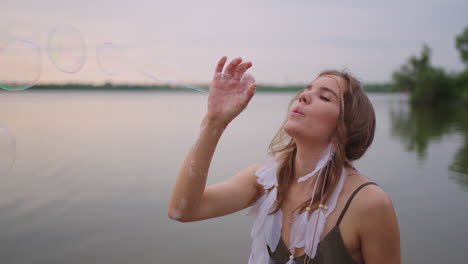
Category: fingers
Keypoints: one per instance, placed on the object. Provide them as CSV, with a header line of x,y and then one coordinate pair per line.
x,y
236,69
241,69
220,65
251,90
250,84
230,69
248,78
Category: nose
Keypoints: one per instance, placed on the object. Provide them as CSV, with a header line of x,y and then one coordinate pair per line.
x,y
304,98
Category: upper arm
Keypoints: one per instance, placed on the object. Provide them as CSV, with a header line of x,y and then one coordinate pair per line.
x,y
236,193
378,228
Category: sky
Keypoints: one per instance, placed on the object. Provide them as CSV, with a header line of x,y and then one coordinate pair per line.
x,y
288,42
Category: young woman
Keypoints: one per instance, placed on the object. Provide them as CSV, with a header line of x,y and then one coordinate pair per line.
x,y
301,197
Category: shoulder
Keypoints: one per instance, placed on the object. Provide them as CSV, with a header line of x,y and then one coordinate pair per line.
x,y
371,203
375,210
377,225
371,199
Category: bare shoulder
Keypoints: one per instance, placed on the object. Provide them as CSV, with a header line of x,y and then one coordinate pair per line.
x,y
377,224
371,199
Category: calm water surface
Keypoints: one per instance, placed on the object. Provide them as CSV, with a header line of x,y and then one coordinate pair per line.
x,y
94,171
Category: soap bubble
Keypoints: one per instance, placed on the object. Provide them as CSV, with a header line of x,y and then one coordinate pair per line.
x,y
111,58
66,49
7,151
21,64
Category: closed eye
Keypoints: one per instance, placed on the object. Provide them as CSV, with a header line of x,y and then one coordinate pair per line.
x,y
325,98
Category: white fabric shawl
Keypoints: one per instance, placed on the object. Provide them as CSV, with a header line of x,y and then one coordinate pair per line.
x,y
266,229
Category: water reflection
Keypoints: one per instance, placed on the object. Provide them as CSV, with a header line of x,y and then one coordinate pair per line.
x,y
460,163
419,126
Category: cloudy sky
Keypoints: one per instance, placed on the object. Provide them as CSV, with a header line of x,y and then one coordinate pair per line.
x,y
289,42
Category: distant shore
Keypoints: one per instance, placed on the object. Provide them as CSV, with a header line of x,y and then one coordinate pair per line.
x,y
374,88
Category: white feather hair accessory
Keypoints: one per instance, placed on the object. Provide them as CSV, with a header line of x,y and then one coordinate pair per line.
x,y
305,231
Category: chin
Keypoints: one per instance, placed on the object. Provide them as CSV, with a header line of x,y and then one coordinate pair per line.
x,y
299,132
291,130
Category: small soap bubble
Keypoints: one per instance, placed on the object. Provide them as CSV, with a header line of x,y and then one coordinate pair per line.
x,y
7,151
111,58
66,48
21,64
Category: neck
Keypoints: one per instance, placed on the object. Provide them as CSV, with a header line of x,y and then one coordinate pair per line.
x,y
307,157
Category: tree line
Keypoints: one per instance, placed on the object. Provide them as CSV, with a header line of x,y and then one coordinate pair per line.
x,y
428,84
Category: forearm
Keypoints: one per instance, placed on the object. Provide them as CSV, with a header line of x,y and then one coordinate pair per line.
x,y
229,95
191,180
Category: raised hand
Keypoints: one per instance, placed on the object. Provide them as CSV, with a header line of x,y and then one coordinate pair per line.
x,y
231,91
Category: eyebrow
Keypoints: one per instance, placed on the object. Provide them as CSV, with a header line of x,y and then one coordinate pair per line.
x,y
323,88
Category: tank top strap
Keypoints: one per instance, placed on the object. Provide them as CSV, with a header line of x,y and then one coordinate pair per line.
x,y
351,198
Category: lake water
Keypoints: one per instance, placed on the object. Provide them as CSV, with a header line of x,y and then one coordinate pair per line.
x,y
94,171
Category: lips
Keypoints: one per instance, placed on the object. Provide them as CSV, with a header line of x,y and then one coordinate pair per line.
x,y
297,111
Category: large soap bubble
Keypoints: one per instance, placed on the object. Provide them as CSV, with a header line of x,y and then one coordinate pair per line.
x,y
66,48
20,62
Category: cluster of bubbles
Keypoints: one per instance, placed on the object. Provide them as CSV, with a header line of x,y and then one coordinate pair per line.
x,y
66,49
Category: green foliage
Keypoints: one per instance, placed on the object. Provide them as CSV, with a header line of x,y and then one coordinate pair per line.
x,y
407,77
378,88
461,42
425,83
433,85
461,82
428,84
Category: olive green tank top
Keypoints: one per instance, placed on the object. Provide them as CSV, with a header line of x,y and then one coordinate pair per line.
x,y
330,250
